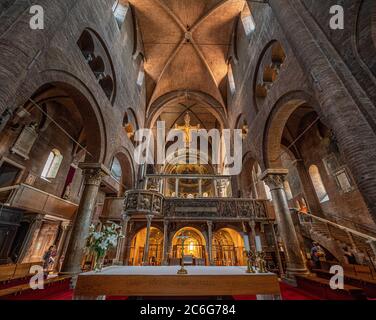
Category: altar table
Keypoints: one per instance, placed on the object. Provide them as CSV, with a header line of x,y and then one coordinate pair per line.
x,y
164,281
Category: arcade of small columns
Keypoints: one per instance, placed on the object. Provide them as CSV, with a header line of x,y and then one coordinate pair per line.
x,y
93,173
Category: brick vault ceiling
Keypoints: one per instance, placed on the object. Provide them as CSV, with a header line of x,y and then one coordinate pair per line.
x,y
186,44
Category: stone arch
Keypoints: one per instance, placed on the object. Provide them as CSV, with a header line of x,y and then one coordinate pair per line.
x,y
276,123
128,172
179,96
84,100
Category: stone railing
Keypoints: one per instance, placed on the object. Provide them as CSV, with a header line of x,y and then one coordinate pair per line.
x,y
143,202
219,208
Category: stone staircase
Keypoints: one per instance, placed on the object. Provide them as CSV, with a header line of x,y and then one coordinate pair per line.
x,y
324,232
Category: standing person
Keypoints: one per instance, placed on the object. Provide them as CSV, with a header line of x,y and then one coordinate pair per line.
x,y
49,258
350,257
315,255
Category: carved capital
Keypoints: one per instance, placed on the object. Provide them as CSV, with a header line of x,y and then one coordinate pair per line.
x,y
93,173
149,218
275,178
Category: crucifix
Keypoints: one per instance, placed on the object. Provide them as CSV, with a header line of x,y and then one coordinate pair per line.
x,y
187,128
183,238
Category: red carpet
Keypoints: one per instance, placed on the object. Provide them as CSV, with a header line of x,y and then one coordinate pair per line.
x,y
62,292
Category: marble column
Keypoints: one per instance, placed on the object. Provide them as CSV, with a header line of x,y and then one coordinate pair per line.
x,y
295,261
165,243
252,239
64,230
35,225
278,254
120,251
349,111
93,174
145,260
128,243
210,242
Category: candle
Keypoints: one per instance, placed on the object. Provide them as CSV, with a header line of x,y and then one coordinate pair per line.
x,y
246,242
258,243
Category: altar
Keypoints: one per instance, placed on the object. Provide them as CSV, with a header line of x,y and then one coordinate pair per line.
x,y
151,281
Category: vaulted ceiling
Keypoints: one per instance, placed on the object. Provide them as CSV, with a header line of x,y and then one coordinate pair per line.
x,y
186,44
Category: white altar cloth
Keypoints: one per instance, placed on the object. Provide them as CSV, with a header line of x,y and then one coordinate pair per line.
x,y
172,270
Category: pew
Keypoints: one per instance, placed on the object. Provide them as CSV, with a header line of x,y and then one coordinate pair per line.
x,y
321,287
17,271
7,272
15,290
358,280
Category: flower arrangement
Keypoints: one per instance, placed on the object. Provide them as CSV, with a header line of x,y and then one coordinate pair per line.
x,y
99,242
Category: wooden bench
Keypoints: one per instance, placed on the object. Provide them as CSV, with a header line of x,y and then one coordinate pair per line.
x,y
364,282
11,272
7,272
24,287
321,287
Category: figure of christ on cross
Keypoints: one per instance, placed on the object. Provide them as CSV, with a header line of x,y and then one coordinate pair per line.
x,y
187,128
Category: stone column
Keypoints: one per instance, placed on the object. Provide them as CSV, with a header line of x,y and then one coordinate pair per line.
x,y
278,254
200,188
35,225
210,242
145,257
128,244
295,261
349,112
252,235
165,243
64,229
93,174
177,187
120,251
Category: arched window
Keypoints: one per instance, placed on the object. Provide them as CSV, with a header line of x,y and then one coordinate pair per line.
x,y
247,20
52,164
141,74
231,80
116,169
288,191
318,184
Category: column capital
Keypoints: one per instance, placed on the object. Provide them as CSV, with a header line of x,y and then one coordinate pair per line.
x,y
149,218
274,178
125,217
93,172
210,224
66,224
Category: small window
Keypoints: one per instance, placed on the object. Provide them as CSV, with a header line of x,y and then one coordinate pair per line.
x,y
231,80
318,184
288,191
116,169
141,75
248,21
52,165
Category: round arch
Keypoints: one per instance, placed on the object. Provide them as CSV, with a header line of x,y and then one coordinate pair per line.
x,y
84,100
276,123
213,106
